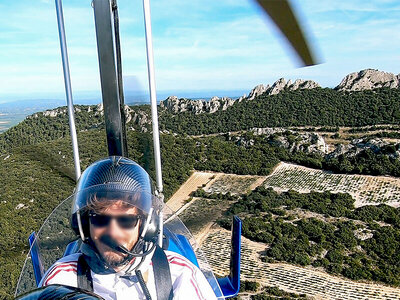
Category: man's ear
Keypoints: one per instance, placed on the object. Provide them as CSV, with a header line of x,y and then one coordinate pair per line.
x,y
85,224
152,228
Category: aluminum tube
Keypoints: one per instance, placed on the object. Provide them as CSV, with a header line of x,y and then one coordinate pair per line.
x,y
161,228
68,90
153,95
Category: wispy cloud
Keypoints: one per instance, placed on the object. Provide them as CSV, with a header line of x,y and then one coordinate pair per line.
x,y
198,44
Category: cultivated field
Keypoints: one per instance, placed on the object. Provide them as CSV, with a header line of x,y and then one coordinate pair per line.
x,y
196,180
209,210
213,183
234,184
366,190
200,215
299,280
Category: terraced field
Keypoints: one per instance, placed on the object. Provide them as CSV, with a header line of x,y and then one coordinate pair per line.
x,y
294,279
209,210
215,241
234,184
366,190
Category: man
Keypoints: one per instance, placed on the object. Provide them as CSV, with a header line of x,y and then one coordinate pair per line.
x,y
117,217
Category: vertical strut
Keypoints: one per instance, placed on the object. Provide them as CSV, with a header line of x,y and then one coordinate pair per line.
x,y
68,90
154,115
113,110
119,70
153,96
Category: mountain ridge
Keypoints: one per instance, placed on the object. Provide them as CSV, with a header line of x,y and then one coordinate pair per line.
x,y
367,79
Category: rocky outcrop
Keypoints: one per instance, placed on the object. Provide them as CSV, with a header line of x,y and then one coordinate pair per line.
x,y
132,116
363,80
281,85
175,105
308,142
257,91
267,131
369,79
358,145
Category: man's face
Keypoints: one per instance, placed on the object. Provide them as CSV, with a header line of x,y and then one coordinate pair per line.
x,y
126,237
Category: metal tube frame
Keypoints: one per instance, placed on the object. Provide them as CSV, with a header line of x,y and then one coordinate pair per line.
x,y
113,112
154,115
153,95
68,89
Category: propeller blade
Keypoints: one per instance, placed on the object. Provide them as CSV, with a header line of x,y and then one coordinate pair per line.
x,y
281,12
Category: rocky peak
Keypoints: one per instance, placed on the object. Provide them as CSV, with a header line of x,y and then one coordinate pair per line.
x,y
257,91
369,79
278,86
281,85
175,105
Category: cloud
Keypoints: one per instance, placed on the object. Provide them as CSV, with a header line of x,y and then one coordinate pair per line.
x,y
199,44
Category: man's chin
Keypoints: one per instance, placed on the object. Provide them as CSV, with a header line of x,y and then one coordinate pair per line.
x,y
114,259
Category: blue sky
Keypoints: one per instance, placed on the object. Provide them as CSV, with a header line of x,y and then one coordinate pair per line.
x,y
198,44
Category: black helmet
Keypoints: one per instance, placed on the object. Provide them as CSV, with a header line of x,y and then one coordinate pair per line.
x,y
116,178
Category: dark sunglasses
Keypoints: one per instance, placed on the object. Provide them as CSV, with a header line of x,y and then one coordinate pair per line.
x,y
124,221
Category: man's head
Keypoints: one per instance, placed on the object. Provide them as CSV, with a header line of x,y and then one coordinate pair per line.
x,y
119,221
114,200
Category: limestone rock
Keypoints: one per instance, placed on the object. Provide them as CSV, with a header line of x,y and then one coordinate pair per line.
x,y
128,113
308,142
55,112
279,86
267,131
175,105
368,79
356,146
99,110
241,98
257,91
227,102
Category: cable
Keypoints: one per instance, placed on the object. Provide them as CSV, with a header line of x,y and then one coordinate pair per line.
x,y
143,284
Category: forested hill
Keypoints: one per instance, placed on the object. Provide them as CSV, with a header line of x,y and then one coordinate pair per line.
x,y
313,107
53,124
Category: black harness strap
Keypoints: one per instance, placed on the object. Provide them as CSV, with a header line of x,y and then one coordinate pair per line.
x,y
162,275
85,281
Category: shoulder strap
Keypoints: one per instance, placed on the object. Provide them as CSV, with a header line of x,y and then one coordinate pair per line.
x,y
85,281
162,275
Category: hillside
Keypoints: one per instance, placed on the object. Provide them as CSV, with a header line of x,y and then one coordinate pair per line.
x,y
308,107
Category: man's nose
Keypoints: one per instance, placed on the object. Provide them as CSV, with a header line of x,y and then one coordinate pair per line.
x,y
113,227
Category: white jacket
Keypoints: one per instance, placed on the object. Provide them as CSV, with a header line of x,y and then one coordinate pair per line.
x,y
187,280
